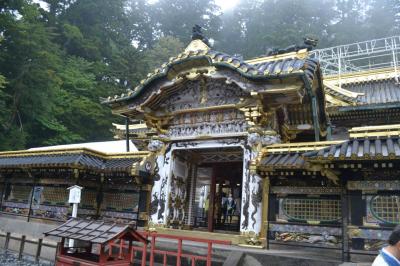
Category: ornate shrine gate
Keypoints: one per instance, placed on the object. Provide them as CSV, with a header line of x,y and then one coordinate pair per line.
x,y
203,100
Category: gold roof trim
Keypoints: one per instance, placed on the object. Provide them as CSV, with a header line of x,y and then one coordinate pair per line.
x,y
363,76
301,54
375,131
342,91
300,147
334,101
22,153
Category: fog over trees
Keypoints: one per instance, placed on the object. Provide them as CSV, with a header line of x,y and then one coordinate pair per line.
x,y
56,62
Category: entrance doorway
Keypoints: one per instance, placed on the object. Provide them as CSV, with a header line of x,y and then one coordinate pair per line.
x,y
218,190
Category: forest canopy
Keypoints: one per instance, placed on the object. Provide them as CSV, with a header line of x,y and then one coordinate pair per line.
x,y
58,57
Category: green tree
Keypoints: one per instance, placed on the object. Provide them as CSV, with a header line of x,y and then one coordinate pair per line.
x,y
160,53
382,18
349,23
177,17
258,25
28,60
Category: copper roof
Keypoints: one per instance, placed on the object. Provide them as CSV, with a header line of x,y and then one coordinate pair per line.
x,y
270,69
378,148
283,161
366,143
98,232
74,158
376,92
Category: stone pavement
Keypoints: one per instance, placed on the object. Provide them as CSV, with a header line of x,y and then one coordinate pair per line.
x,y
11,259
355,264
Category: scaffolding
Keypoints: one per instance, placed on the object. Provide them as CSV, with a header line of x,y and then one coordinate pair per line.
x,y
361,56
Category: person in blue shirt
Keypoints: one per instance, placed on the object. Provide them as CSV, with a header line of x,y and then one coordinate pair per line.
x,y
230,208
390,255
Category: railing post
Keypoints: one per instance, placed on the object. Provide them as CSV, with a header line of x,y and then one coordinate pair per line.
x,y
8,236
153,243
121,247
178,258
112,243
38,250
144,252
209,252
21,247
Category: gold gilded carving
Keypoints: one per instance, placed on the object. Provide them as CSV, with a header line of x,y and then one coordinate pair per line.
x,y
301,54
196,45
250,239
159,123
328,173
354,232
203,91
192,75
143,216
257,118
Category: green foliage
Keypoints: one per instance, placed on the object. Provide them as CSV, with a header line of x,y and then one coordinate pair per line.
x,y
160,53
2,81
28,60
177,17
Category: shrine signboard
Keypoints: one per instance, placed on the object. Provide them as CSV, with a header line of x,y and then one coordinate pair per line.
x,y
74,194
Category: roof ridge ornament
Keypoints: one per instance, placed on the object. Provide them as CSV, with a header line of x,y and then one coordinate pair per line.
x,y
197,34
199,41
300,51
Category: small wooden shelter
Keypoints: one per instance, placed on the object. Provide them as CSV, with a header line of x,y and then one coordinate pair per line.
x,y
94,242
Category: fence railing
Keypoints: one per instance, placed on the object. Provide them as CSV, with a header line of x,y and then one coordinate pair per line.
x,y
22,241
178,254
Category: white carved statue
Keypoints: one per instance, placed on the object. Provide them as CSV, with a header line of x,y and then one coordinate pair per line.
x,y
155,145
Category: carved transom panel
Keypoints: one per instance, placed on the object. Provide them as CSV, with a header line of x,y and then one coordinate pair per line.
x,y
207,123
202,93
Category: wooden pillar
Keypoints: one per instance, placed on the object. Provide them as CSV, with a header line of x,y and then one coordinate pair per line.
x,y
265,206
21,247
99,196
315,117
210,222
148,189
192,193
32,194
345,222
314,107
7,241
102,255
6,178
60,247
329,131
357,206
127,133
38,250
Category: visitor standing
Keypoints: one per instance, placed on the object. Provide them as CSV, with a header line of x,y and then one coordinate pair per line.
x,y
390,255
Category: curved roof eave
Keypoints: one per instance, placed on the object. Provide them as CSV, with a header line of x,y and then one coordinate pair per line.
x,y
265,71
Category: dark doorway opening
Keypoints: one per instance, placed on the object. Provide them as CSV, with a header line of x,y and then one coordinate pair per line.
x,y
218,193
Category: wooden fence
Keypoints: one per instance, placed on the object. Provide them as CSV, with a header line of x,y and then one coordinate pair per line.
x,y
22,241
